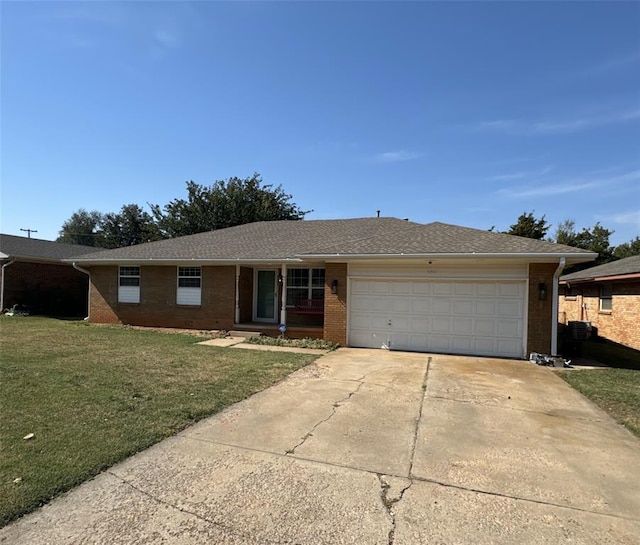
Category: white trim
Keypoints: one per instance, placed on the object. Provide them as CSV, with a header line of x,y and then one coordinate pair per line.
x,y
283,295
236,314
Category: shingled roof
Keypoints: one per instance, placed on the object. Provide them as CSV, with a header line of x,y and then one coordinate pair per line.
x,y
622,267
14,247
295,240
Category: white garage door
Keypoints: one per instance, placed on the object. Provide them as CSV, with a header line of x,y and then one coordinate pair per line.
x,y
457,317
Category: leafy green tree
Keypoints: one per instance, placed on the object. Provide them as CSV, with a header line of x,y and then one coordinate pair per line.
x,y
594,239
82,228
627,249
132,225
226,203
530,227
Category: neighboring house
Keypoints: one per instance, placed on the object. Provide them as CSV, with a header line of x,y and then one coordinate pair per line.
x,y
371,282
34,275
608,296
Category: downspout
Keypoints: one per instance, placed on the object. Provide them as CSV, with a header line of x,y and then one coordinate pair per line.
x,y
85,271
554,307
2,286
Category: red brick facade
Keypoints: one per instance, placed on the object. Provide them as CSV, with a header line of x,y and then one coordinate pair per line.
x,y
540,312
621,324
157,307
335,305
158,287
46,288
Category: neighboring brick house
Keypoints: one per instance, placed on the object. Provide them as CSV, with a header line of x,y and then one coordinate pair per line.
x,y
608,296
369,282
34,275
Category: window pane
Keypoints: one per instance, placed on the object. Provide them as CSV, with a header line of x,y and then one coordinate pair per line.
x,y
129,280
188,282
294,295
188,271
317,293
317,277
298,277
129,271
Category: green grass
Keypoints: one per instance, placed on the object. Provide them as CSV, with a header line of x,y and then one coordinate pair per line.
x,y
617,391
93,395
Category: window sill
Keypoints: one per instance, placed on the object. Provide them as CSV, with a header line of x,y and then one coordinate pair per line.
x,y
605,312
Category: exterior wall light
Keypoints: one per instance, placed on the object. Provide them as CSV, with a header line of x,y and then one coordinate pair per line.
x,y
334,286
542,291
279,280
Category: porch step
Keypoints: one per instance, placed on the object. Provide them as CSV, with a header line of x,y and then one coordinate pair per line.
x,y
246,334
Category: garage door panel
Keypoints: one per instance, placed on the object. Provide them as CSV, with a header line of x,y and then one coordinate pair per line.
x,y
485,308
464,307
463,326
510,308
401,305
441,305
421,305
464,317
421,288
485,328
442,288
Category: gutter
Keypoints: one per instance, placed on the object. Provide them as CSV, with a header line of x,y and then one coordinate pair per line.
x,y
581,256
2,285
554,307
85,271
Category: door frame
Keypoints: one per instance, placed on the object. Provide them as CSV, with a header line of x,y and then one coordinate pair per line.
x,y
274,318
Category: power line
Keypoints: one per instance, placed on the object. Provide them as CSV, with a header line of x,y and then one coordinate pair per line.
x,y
29,231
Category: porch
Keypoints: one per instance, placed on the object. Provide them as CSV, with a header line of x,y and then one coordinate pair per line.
x,y
267,297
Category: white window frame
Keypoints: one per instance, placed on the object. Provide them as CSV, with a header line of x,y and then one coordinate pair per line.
x,y
129,284
606,298
189,295
310,288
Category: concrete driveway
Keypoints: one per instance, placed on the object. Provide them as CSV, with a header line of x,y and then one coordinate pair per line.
x,y
372,447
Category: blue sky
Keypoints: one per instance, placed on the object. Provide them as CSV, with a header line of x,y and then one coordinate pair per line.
x,y
466,113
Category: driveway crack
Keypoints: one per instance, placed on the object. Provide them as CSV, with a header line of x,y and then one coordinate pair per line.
x,y
392,490
227,529
336,405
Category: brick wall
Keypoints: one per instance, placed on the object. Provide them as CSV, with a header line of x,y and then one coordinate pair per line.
x,y
540,312
335,305
50,289
620,325
157,307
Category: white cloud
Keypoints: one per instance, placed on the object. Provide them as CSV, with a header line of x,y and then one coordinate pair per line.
x,y
397,156
570,186
632,218
566,125
520,175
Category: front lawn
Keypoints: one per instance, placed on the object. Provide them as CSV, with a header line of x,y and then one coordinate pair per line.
x,y
93,395
617,391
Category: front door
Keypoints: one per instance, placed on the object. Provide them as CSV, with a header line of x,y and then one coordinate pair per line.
x,y
266,300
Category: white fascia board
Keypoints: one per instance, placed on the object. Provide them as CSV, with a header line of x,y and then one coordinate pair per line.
x,y
186,262
3,255
542,257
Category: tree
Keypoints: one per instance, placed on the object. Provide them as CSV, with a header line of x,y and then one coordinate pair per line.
x,y
530,227
130,226
627,249
82,228
227,203
595,239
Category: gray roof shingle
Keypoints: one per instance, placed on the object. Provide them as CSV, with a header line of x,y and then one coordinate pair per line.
x,y
628,265
280,240
42,250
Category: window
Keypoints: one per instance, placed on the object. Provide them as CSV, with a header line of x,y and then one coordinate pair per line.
x,y
605,297
129,285
189,286
304,284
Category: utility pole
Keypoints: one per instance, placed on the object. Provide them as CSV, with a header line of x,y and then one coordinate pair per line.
x,y
29,231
